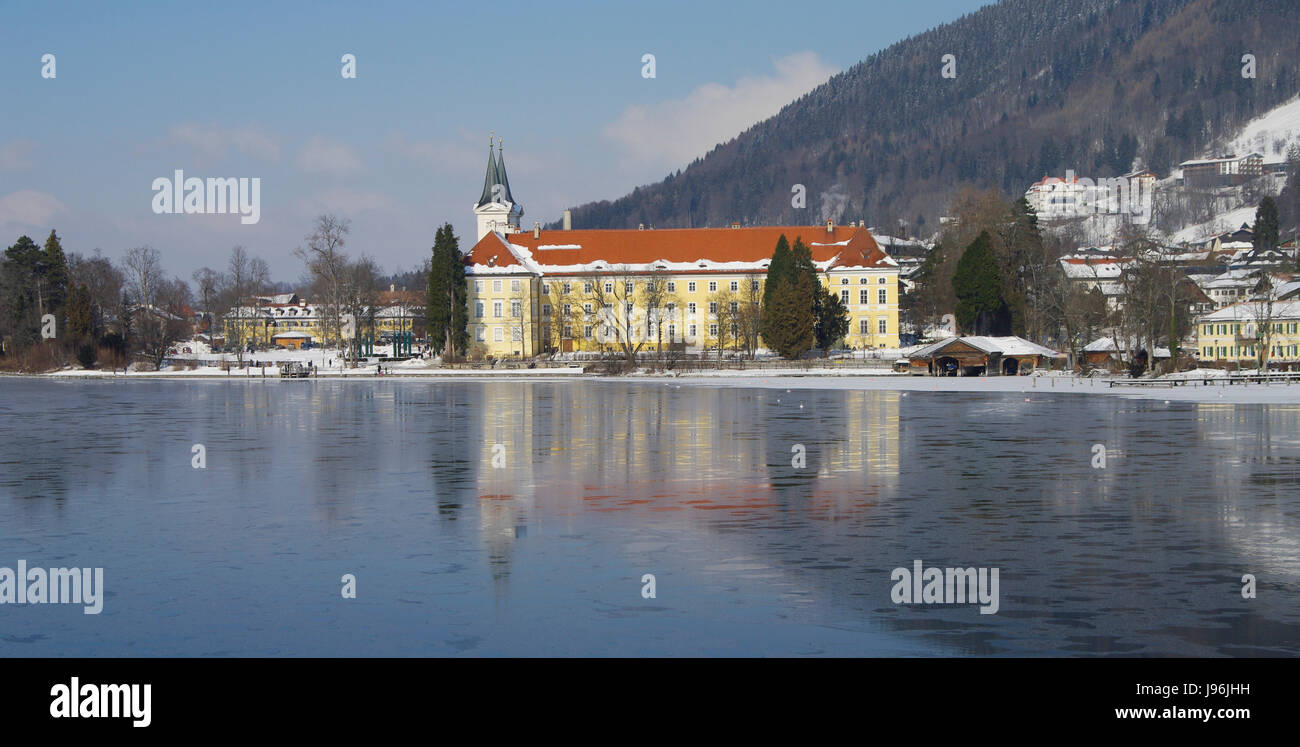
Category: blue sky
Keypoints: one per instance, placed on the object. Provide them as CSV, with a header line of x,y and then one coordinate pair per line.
x,y
254,90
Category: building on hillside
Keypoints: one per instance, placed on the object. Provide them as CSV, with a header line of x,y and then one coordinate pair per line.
x,y
983,356
689,290
1226,171
1231,336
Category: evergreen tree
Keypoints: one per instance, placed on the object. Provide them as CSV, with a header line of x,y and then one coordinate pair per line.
x,y
19,274
1266,225
779,268
981,308
831,318
445,311
791,332
53,280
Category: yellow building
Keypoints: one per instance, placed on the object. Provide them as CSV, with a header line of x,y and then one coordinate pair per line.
x,y
1233,335
692,290
266,320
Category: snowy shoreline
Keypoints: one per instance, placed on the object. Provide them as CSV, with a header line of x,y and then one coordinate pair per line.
x,y
1031,386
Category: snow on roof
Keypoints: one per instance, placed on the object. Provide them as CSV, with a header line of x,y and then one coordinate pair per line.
x,y
1107,345
676,250
295,335
1248,310
1077,270
1003,345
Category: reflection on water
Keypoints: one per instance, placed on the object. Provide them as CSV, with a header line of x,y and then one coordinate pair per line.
x,y
519,517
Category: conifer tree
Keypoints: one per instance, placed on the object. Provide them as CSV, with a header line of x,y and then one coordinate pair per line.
x,y
981,308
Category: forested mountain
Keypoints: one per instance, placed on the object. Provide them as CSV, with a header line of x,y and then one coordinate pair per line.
x,y
1040,87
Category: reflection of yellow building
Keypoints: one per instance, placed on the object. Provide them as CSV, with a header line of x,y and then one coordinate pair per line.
x,y
533,292
552,450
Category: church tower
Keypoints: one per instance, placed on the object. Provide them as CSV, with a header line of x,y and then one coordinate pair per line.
x,y
496,209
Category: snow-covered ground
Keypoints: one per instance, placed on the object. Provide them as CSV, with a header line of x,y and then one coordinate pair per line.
x,y
1269,134
1229,221
1032,387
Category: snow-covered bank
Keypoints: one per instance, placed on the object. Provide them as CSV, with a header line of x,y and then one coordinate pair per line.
x,y
1029,386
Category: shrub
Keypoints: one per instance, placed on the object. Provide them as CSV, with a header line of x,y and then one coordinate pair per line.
x,y
86,354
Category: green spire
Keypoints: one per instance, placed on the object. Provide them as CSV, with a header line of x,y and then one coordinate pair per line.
x,y
491,178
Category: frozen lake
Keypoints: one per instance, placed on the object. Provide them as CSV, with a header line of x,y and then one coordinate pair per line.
x,y
519,518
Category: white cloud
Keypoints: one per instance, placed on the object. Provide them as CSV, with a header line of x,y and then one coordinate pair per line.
x,y
15,155
322,155
674,132
215,142
28,208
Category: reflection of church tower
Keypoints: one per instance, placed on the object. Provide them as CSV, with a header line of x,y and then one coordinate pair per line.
x,y
496,209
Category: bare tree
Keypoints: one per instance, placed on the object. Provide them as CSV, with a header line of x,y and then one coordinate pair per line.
x,y
360,290
245,277
144,273
614,289
327,265
165,322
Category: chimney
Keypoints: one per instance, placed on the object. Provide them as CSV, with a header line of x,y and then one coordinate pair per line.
x,y
830,226
640,226
568,220
391,288
537,230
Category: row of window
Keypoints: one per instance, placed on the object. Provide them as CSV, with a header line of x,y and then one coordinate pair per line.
x,y
1248,351
1288,328
864,328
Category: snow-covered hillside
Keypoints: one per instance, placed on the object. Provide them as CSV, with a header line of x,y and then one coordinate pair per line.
x,y
1270,134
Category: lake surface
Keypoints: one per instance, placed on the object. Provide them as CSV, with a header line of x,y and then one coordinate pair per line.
x,y
597,483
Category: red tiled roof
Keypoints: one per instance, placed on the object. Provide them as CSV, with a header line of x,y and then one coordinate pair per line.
x,y
639,247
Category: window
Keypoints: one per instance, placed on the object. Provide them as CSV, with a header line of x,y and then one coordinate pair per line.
x,y
586,331
496,286
844,281
546,289
672,287
671,308
753,285
478,286
713,286
735,307
713,330
735,286
844,297
609,287
568,331
566,288
864,327
864,296
546,311
587,287
690,308
881,281
862,281
672,332
516,309
733,331
690,287
882,325
586,309
691,331
498,335
627,288
480,334
568,309
514,286
478,309
713,308
629,309
882,296
496,309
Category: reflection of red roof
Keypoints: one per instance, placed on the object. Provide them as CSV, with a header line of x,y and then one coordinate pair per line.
x,y
854,246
